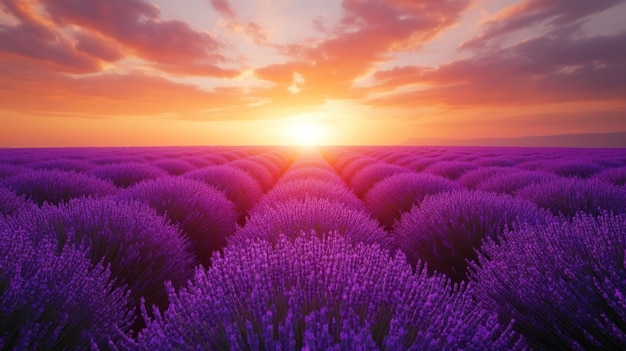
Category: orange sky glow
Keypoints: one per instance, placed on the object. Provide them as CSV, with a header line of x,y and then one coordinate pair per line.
x,y
234,72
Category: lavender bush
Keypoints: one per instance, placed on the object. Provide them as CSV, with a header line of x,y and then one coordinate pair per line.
x,y
255,170
473,179
204,213
370,175
271,164
616,176
355,166
398,193
310,215
141,248
11,203
307,294
9,170
243,190
563,284
174,167
446,229
54,186
311,173
304,188
568,196
126,174
573,168
61,164
511,181
450,169
54,298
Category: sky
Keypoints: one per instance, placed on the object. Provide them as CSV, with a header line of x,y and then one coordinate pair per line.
x,y
350,72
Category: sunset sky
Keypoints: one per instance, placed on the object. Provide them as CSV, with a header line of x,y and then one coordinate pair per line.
x,y
235,72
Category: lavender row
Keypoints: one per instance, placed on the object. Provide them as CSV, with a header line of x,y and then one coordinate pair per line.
x,y
310,198
257,173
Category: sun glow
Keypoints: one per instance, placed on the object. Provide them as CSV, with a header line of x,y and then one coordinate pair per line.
x,y
305,134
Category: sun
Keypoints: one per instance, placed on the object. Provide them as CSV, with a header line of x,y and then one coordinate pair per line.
x,y
305,133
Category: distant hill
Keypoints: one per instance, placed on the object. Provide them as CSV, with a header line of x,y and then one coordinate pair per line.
x,y
587,140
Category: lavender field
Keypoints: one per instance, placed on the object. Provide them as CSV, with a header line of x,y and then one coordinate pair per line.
x,y
338,248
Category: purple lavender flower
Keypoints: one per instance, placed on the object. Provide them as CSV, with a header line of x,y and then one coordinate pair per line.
x,y
370,175
63,164
142,249
616,176
54,186
204,213
310,187
568,196
355,166
398,193
446,229
321,294
174,167
311,215
243,190
450,169
8,170
127,174
511,181
54,298
11,203
472,179
563,284
573,168
255,170
325,174
271,164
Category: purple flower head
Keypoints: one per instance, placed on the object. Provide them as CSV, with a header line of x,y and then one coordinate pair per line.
x,y
56,299
311,215
9,170
495,161
446,229
450,169
63,164
616,176
573,168
562,284
126,174
397,194
325,174
320,294
256,170
174,167
11,203
370,175
271,164
54,186
472,179
141,248
204,214
243,190
568,196
355,166
310,187
509,182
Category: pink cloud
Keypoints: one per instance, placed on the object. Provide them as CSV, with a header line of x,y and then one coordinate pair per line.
x,y
107,95
531,12
368,33
32,39
98,47
256,31
137,25
548,69
224,8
